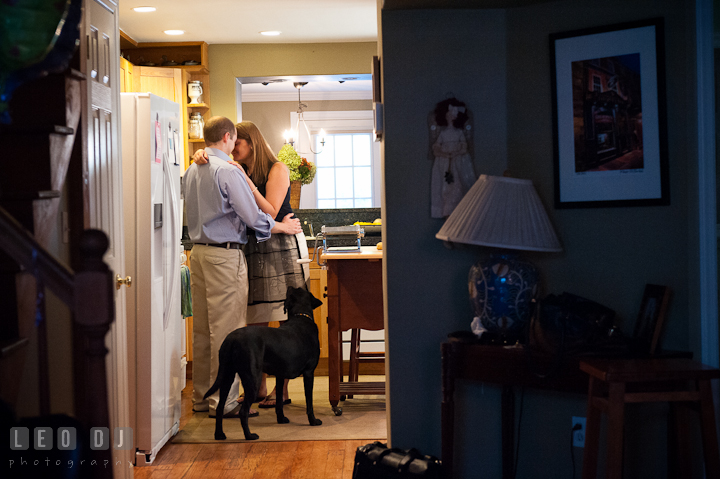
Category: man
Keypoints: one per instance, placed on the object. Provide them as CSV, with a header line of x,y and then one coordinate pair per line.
x,y
219,207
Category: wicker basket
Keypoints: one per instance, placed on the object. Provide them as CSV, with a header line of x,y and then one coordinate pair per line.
x,y
295,187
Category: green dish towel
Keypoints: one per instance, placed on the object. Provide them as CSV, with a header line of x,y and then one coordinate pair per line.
x,y
185,294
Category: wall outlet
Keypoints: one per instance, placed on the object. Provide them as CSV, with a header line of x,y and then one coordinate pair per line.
x,y
578,434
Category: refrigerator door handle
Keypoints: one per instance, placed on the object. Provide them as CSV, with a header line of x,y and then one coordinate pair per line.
x,y
175,240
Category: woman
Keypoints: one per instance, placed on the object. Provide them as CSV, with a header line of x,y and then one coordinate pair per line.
x,y
272,264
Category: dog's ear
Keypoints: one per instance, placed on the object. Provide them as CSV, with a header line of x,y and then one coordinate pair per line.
x,y
288,299
316,303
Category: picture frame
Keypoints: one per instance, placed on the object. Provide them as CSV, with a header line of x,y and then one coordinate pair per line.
x,y
609,116
377,100
651,317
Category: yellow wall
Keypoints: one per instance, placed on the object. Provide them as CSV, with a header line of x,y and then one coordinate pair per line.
x,y
251,60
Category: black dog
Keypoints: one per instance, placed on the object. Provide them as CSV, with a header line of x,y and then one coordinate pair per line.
x,y
285,352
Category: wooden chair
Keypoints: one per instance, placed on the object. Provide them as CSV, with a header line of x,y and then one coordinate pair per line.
x,y
679,381
357,357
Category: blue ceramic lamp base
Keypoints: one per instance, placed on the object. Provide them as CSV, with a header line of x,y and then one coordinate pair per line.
x,y
502,289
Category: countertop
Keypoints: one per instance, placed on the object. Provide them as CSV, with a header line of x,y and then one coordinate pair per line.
x,y
366,252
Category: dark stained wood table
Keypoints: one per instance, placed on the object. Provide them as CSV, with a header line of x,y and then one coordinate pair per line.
x,y
355,301
508,367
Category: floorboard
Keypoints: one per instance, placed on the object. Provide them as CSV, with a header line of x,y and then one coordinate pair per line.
x,y
250,460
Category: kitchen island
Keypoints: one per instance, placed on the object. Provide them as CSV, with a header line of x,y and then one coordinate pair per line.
x,y
355,301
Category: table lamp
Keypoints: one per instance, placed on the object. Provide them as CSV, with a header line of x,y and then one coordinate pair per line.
x,y
504,213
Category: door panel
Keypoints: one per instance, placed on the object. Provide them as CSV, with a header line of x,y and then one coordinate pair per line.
x,y
102,182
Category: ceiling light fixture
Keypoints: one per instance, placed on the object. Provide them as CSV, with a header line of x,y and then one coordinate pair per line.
x,y
270,33
290,135
174,32
144,9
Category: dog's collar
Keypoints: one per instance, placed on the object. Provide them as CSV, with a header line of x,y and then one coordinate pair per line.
x,y
306,315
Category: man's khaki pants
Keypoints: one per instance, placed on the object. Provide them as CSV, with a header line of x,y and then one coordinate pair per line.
x,y
219,295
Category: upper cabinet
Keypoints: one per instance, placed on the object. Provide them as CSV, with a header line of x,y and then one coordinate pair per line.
x,y
165,70
126,76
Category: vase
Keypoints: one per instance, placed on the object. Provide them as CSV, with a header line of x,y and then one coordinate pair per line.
x,y
502,289
295,188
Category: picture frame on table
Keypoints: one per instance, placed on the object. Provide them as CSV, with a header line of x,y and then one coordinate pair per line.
x,y
609,116
651,317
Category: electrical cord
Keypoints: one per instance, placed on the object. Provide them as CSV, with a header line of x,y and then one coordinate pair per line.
x,y
517,444
576,427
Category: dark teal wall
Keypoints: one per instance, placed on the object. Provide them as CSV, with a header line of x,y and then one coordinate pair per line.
x,y
497,61
427,53
610,253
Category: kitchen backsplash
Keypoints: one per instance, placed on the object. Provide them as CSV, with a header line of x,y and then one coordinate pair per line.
x,y
338,217
327,217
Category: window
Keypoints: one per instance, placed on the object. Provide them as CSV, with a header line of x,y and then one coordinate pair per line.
x,y
344,171
348,166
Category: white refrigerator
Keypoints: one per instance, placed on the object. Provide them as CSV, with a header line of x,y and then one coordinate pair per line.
x,y
152,160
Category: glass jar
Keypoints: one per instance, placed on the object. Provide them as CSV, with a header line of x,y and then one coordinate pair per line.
x,y
195,126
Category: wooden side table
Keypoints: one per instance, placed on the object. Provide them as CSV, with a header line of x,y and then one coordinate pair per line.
x,y
616,382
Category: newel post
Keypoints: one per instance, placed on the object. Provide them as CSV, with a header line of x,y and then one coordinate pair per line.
x,y
94,314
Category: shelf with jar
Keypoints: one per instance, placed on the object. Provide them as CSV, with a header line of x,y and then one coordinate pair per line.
x,y
196,110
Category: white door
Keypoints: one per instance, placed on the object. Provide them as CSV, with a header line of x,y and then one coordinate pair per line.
x,y
100,54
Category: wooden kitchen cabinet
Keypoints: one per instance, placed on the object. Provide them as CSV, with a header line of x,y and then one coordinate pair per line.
x,y
126,76
318,288
164,82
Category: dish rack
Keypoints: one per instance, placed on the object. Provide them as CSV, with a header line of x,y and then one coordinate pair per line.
x,y
334,232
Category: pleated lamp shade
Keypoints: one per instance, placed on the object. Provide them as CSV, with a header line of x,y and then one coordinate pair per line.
x,y
503,213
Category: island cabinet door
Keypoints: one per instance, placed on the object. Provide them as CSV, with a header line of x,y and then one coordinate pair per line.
x,y
318,288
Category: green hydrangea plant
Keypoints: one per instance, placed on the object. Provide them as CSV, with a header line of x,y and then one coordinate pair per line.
x,y
300,168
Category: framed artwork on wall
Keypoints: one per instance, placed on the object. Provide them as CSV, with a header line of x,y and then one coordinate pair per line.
x,y
651,317
609,120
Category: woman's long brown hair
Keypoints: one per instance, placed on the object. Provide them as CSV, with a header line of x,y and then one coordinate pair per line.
x,y
263,157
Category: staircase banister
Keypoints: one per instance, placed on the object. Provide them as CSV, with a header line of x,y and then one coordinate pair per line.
x,y
21,246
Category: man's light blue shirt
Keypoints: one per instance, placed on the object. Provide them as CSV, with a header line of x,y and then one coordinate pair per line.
x,y
219,204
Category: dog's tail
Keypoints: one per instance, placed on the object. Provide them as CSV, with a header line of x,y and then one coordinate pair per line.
x,y
216,384
213,388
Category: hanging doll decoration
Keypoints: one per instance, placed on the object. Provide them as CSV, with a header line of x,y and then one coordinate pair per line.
x,y
452,155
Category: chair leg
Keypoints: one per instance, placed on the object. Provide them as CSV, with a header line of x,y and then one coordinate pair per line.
x,y
615,430
679,446
354,358
592,433
709,434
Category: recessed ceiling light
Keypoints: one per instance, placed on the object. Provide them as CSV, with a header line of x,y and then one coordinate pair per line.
x,y
144,9
174,32
270,33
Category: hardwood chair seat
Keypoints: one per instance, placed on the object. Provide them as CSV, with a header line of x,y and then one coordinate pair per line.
x,y
679,381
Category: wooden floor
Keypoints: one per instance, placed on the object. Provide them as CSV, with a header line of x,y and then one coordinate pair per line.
x,y
251,460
